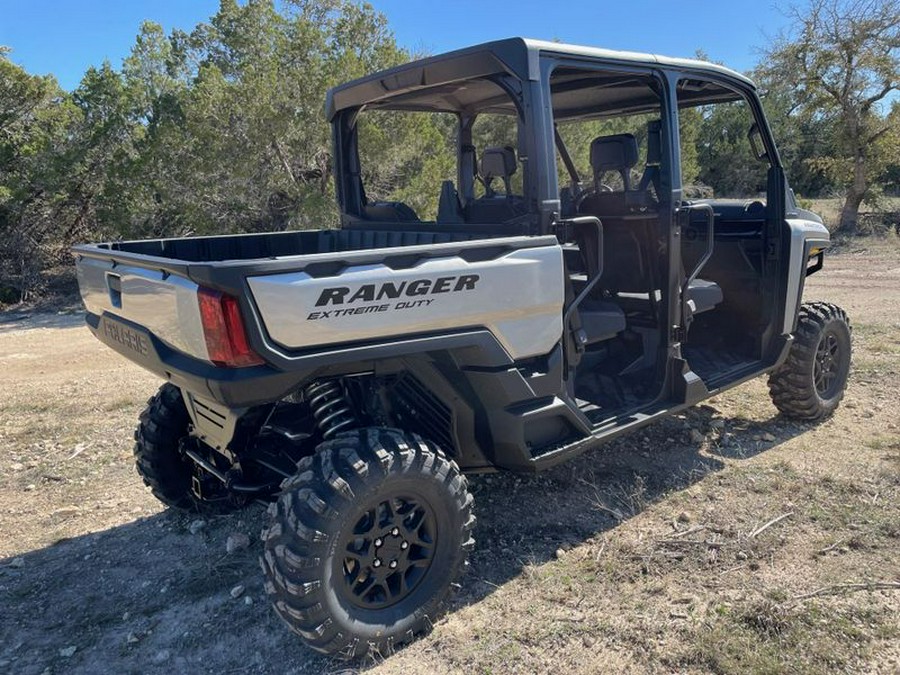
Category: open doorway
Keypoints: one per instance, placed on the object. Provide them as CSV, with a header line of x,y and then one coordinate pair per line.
x,y
608,136
724,170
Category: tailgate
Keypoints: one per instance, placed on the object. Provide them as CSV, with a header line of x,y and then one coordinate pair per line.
x,y
163,303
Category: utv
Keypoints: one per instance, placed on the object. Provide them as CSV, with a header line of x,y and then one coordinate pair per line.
x,y
568,282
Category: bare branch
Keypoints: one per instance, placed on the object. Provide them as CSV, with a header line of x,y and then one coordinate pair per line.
x,y
763,528
838,589
887,89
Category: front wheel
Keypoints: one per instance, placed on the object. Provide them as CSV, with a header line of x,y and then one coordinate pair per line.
x,y
366,540
810,384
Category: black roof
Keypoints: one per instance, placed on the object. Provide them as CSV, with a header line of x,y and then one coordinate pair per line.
x,y
513,56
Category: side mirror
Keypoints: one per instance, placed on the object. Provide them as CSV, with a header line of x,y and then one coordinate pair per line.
x,y
756,142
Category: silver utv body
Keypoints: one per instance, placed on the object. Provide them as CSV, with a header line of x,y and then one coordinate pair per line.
x,y
475,330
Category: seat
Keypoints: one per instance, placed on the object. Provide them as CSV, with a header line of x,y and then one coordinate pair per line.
x,y
449,209
627,269
610,154
496,207
617,153
627,272
704,295
599,319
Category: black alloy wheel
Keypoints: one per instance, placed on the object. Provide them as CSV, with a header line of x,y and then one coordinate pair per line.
x,y
366,541
827,365
388,552
810,384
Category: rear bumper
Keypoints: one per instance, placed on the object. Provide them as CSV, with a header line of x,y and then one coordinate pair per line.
x,y
233,387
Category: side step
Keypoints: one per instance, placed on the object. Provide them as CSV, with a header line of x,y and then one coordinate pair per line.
x,y
603,432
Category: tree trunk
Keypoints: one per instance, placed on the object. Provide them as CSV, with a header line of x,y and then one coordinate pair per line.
x,y
850,212
855,195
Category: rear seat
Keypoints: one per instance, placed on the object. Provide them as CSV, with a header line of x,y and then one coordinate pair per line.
x,y
598,320
496,207
627,270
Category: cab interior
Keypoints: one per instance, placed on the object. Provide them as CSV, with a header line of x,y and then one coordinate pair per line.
x,y
617,336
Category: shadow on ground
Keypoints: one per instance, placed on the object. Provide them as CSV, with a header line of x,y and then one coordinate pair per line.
x,y
153,597
13,320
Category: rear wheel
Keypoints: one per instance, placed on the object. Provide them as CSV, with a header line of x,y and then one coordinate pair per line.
x,y
365,542
810,384
158,458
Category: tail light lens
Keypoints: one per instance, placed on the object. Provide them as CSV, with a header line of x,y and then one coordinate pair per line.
x,y
226,339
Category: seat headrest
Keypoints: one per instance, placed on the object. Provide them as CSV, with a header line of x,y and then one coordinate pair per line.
x,y
614,153
498,163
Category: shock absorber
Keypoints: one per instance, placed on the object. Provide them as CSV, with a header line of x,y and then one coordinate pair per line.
x,y
330,407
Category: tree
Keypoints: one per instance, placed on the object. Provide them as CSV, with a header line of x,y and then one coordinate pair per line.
x,y
236,139
842,60
213,131
37,119
890,177
723,153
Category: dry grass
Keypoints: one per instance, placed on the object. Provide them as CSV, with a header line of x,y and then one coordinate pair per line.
x,y
830,208
678,584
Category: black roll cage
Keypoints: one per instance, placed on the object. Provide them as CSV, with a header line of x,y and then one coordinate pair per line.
x,y
522,70
350,190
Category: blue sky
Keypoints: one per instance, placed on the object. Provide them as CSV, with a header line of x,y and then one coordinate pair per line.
x,y
64,37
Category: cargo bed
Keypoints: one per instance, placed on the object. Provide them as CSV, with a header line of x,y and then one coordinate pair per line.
x,y
269,245
303,297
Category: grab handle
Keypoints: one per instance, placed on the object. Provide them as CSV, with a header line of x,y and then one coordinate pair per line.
x,y
114,286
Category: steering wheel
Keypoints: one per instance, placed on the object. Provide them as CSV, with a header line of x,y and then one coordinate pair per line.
x,y
590,192
754,205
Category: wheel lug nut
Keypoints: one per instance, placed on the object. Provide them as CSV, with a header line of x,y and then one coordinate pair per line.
x,y
393,564
376,562
404,545
378,542
395,531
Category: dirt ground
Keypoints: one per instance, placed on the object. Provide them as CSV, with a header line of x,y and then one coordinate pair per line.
x,y
650,555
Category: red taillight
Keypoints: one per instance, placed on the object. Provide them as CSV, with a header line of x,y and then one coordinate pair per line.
x,y
226,340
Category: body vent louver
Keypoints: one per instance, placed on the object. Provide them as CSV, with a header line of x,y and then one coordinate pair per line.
x,y
418,410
